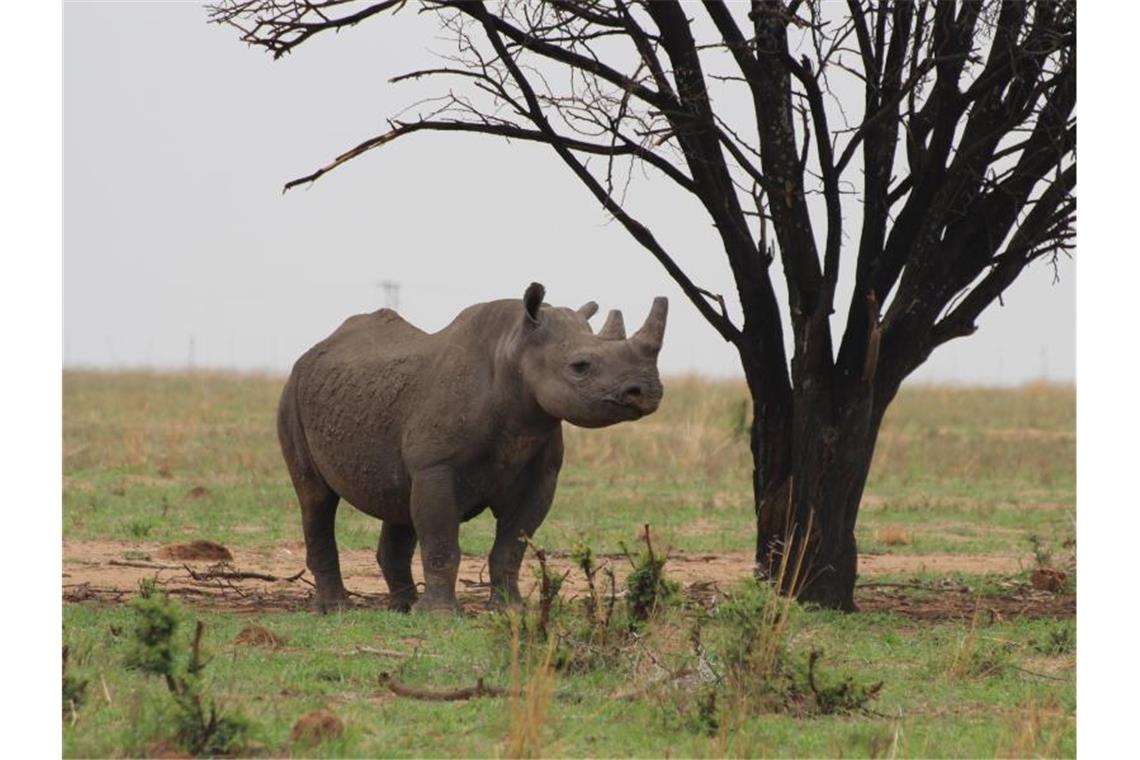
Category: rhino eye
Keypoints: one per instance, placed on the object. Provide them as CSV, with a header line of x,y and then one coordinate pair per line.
x,y
580,367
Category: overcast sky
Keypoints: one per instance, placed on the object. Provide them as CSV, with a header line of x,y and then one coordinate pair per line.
x,y
179,247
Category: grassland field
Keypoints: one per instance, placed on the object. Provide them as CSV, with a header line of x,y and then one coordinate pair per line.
x,y
971,491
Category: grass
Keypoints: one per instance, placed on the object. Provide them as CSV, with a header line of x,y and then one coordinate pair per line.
x,y
320,667
163,457
173,457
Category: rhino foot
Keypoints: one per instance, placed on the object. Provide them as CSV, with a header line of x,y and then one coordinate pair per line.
x,y
436,606
402,604
504,600
323,604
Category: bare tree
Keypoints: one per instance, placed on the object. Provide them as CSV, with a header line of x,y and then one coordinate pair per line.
x,y
962,156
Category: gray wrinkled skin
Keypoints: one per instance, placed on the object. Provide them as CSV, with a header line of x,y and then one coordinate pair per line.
x,y
427,431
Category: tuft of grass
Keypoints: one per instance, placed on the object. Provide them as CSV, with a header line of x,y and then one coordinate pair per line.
x,y
139,529
1057,641
977,656
74,689
532,686
893,535
1035,729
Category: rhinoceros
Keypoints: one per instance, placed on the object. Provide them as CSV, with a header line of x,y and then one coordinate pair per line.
x,y
425,431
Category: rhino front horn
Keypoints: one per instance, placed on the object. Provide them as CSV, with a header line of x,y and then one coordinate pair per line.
x,y
648,339
614,328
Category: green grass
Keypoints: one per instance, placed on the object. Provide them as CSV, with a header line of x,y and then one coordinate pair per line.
x,y
161,458
933,712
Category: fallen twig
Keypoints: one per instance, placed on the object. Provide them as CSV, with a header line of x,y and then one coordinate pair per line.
x,y
480,689
637,692
474,584
921,586
1040,675
147,565
238,575
382,652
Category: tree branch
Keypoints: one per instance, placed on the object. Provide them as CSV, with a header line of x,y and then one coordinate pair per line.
x,y
501,130
639,231
281,24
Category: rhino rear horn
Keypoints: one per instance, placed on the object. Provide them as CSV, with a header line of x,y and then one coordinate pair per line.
x,y
614,328
647,340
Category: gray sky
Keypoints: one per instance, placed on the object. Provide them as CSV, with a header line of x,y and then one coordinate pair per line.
x,y
179,246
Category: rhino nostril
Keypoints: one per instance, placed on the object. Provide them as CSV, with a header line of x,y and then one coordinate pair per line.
x,y
633,392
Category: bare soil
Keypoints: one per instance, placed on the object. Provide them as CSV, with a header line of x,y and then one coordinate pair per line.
x,y
274,579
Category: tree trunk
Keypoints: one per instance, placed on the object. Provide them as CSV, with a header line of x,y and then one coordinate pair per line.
x,y
806,507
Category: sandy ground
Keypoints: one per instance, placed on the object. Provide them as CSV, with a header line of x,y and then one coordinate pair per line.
x,y
273,579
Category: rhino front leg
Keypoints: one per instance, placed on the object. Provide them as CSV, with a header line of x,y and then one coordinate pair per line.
x,y
435,518
397,544
521,513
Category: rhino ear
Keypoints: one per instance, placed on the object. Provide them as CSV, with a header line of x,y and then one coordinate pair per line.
x,y
532,300
588,309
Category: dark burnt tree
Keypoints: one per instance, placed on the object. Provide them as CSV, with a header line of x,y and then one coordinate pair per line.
x,y
960,162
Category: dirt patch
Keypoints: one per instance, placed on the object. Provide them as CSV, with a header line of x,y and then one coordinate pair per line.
x,y
202,551
912,564
1048,579
316,727
271,579
963,604
259,636
198,492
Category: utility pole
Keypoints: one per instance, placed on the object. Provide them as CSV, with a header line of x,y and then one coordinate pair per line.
x,y
391,294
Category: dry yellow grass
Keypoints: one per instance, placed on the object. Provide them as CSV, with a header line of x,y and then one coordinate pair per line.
x,y
530,701
224,424
893,535
1035,729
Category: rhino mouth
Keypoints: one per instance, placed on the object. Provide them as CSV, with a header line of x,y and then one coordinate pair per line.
x,y
627,409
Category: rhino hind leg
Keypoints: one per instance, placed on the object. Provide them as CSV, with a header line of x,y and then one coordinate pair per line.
x,y
394,555
318,504
318,519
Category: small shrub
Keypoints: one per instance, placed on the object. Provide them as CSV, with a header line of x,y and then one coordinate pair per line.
x,y
647,587
198,728
148,587
840,698
759,623
1042,556
549,588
